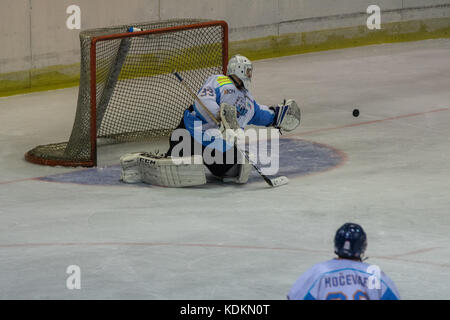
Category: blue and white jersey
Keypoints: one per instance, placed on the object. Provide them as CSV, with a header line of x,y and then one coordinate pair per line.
x,y
343,279
219,89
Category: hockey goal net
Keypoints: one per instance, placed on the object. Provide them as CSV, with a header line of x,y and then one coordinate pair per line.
x,y
127,90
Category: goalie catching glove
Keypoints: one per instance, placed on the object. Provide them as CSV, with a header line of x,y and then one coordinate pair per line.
x,y
287,116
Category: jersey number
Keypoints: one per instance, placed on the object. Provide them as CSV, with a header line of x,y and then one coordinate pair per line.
x,y
358,295
207,92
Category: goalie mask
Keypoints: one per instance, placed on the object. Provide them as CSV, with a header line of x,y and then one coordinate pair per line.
x,y
241,67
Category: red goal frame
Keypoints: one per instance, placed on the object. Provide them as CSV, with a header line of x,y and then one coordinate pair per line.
x,y
93,89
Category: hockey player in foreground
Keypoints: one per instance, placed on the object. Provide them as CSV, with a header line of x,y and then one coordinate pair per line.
x,y
346,277
223,102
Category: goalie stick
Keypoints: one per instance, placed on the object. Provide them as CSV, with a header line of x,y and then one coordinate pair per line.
x,y
273,182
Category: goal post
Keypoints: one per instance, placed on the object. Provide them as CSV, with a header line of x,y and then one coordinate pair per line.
x,y
127,91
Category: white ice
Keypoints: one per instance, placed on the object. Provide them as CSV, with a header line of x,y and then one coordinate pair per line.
x,y
246,242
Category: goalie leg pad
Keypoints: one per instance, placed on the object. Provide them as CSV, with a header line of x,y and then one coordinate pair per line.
x,y
239,173
130,168
243,172
169,173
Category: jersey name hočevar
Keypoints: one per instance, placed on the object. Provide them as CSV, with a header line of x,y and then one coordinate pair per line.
x,y
344,279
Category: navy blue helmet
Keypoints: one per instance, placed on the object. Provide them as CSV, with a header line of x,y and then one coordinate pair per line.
x,y
350,241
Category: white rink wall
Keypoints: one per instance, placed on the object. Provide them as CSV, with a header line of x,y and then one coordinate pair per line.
x,y
34,34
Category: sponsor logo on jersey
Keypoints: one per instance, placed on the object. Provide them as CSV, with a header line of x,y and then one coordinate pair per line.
x,y
241,110
229,91
240,107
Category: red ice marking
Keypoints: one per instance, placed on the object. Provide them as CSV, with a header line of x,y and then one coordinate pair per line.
x,y
298,134
21,180
153,244
367,122
220,246
14,181
410,253
38,179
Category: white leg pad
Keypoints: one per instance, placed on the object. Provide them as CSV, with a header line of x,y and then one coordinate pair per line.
x,y
130,168
165,172
243,172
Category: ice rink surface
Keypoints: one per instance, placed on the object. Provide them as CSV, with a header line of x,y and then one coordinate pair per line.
x,y
223,241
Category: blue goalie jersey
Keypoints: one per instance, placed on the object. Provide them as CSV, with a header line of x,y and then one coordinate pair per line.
x,y
219,89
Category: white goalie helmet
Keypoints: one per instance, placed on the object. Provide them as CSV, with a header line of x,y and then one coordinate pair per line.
x,y
242,67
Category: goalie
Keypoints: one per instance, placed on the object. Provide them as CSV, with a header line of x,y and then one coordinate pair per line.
x,y
221,97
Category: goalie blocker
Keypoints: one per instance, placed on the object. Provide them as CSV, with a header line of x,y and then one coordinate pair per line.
x,y
144,167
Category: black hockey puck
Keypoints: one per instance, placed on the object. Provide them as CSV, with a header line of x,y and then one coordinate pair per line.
x,y
355,112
